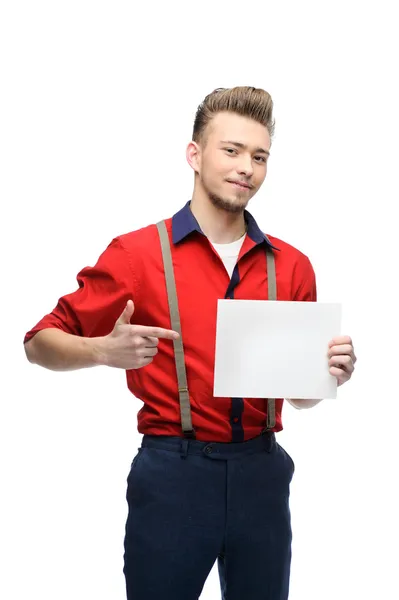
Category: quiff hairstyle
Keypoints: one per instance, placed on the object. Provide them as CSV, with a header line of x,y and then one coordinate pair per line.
x,y
251,102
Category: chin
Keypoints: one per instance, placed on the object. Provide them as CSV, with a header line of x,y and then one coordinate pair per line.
x,y
232,205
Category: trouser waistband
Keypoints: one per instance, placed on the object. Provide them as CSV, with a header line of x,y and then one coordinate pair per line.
x,y
215,450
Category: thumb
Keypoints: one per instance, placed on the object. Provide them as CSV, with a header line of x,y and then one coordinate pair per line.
x,y
127,313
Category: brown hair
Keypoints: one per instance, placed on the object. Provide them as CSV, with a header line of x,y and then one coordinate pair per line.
x,y
247,101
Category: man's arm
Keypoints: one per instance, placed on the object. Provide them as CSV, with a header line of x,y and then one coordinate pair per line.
x,y
60,351
126,347
71,336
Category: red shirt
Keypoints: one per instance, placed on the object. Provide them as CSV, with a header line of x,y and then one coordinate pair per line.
x,y
132,267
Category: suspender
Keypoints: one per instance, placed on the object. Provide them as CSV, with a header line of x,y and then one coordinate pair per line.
x,y
185,410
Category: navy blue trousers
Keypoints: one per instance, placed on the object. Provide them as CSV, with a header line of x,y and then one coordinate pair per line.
x,y
192,503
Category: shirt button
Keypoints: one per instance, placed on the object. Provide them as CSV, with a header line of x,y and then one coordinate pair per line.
x,y
235,419
208,449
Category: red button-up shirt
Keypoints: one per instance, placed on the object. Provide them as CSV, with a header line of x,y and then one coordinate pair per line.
x,y
132,267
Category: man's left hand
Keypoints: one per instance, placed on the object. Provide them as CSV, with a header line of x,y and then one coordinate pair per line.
x,y
342,358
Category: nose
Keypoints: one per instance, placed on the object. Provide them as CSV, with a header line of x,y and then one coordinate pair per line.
x,y
245,167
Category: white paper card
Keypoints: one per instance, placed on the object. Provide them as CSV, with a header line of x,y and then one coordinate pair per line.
x,y
275,349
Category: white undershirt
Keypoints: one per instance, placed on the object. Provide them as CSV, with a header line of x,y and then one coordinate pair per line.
x,y
229,253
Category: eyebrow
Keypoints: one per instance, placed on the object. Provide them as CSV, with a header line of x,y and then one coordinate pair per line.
x,y
241,145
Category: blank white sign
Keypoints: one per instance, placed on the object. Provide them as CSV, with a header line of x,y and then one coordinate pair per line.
x,y
275,349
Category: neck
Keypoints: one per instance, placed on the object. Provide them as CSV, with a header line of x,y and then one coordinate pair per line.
x,y
219,226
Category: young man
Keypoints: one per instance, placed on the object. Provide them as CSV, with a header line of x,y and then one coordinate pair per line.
x,y
210,482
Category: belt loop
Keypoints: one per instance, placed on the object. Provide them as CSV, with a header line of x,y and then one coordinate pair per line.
x,y
184,448
268,437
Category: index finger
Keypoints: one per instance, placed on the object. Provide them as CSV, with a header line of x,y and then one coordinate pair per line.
x,y
158,332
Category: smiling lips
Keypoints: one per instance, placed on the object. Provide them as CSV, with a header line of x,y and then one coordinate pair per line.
x,y
241,185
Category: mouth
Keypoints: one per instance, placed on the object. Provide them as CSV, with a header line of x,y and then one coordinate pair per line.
x,y
240,186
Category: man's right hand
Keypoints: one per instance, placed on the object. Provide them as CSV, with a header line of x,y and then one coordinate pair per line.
x,y
132,346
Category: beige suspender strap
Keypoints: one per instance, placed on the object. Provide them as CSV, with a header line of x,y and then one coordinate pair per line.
x,y
272,295
185,410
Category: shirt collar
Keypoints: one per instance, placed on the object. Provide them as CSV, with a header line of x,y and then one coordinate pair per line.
x,y
184,223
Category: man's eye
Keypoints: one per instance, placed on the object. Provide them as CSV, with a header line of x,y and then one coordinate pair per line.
x,y
234,151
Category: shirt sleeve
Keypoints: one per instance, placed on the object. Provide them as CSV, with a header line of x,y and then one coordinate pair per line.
x,y
304,282
103,292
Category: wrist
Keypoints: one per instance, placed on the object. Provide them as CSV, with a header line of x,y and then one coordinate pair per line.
x,y
98,350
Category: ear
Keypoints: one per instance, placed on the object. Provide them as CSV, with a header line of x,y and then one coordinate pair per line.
x,y
193,155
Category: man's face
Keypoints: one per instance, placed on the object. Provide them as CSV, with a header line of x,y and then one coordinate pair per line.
x,y
236,150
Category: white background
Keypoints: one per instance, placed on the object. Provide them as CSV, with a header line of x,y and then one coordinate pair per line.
x,y
97,105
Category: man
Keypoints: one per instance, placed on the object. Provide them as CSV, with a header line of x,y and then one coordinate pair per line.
x,y
210,480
